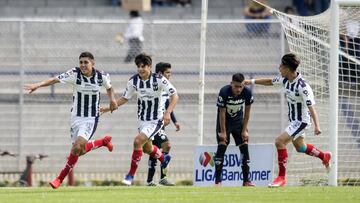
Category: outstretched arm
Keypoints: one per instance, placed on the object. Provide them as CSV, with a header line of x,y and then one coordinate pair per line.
x,y
260,81
32,87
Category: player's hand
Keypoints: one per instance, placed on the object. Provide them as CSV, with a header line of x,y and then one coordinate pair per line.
x,y
247,82
245,136
177,126
31,87
222,137
166,118
113,105
317,130
104,110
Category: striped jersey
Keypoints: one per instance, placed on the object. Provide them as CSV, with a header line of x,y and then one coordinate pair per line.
x,y
149,95
299,96
86,90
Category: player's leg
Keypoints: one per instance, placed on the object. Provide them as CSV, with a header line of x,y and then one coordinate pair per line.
x,y
165,146
244,150
281,141
219,156
152,165
309,149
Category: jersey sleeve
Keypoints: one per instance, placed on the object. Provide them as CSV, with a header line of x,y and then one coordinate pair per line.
x,y
249,99
278,80
221,101
130,90
106,80
307,95
166,85
68,77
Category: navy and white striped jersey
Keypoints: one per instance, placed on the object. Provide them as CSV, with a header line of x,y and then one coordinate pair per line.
x,y
149,94
299,96
86,90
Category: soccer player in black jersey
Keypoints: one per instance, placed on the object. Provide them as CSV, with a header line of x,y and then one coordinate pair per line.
x,y
234,104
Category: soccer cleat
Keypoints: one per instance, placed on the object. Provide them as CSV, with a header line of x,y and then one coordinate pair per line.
x,y
55,183
279,181
248,184
128,180
107,142
167,159
165,182
326,161
151,184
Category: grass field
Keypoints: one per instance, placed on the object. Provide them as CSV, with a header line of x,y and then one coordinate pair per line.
x,y
181,194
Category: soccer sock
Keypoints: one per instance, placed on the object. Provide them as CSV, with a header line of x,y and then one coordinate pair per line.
x,y
72,159
152,168
219,159
157,154
244,149
313,151
282,159
135,159
94,144
162,171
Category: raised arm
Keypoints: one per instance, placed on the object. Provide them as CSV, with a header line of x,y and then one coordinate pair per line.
x,y
260,81
32,87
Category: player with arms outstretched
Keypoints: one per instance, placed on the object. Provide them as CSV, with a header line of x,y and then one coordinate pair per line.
x,y
301,104
87,82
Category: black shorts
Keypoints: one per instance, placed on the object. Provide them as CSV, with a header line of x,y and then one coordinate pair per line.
x,y
234,131
160,138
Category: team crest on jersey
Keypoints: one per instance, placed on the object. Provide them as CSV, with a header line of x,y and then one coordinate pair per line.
x,y
155,86
100,81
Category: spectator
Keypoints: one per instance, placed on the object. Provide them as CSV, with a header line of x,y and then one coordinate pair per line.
x,y
320,5
254,10
350,44
290,10
301,7
134,36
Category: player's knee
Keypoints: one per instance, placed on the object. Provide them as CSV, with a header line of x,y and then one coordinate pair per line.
x,y
279,143
77,149
147,149
166,147
138,142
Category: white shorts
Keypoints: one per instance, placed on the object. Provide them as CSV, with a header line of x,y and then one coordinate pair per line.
x,y
83,126
150,128
297,128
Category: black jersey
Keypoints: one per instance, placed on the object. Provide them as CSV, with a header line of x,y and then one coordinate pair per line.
x,y
234,104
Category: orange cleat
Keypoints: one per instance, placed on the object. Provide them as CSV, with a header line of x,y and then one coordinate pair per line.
x,y
107,142
279,181
55,183
326,161
248,184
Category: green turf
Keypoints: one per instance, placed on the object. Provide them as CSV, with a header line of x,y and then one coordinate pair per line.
x,y
181,194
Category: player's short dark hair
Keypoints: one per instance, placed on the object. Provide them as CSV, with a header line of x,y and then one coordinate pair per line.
x,y
238,77
291,61
134,14
161,67
86,54
143,59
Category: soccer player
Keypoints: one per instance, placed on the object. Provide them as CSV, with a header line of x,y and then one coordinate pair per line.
x,y
301,104
233,119
149,88
161,140
86,82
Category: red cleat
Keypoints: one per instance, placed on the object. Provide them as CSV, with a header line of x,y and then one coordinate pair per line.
x,y
55,183
248,184
279,181
326,161
107,142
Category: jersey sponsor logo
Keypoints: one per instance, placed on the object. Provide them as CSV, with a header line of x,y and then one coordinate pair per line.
x,y
164,82
239,101
276,79
171,90
308,102
220,99
306,92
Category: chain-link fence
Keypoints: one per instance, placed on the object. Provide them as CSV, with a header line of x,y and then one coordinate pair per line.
x,y
32,51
